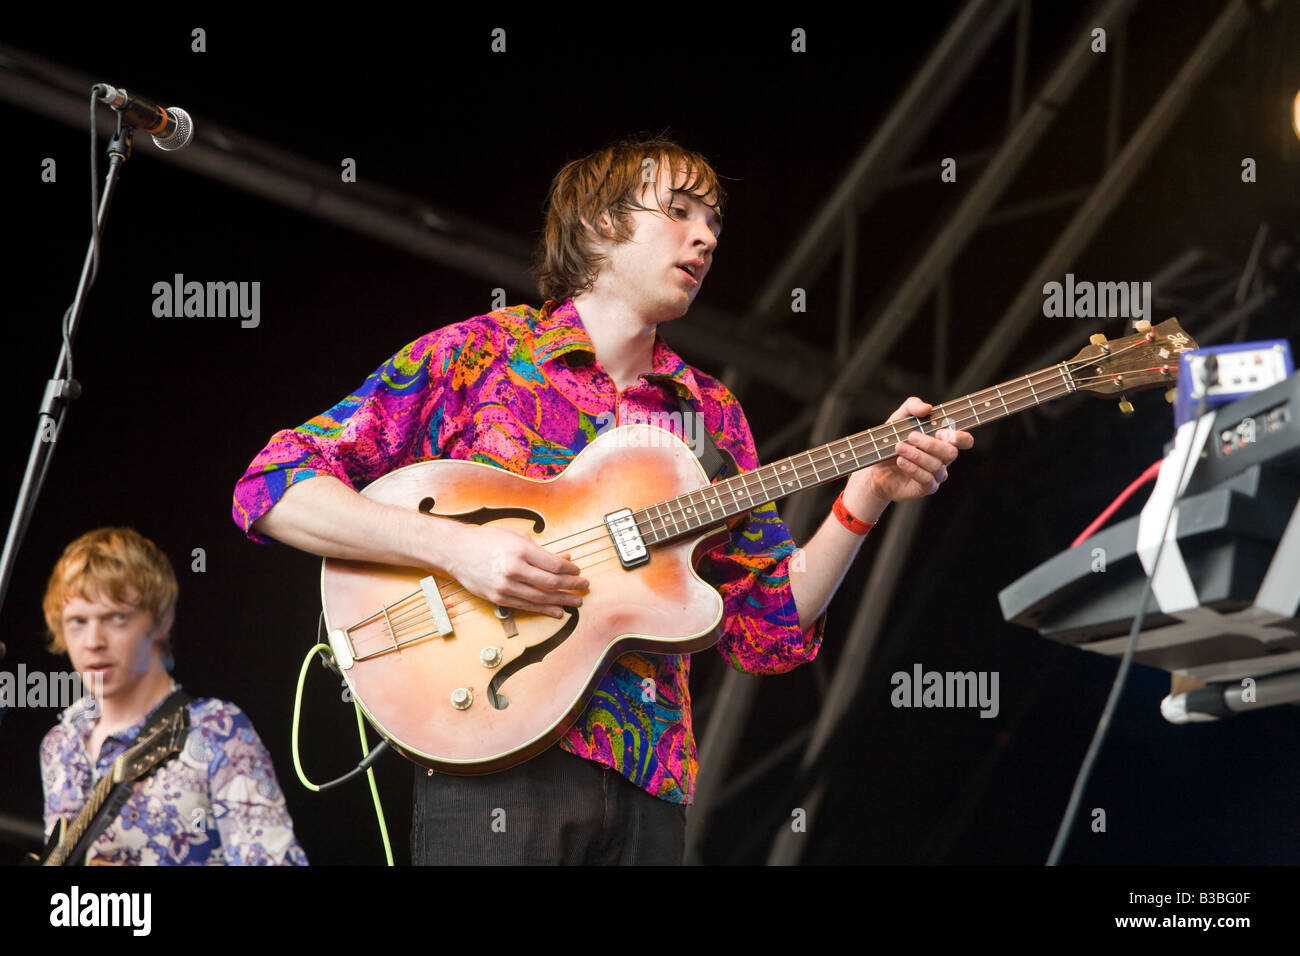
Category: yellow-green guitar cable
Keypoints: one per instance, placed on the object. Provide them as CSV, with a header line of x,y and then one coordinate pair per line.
x,y
365,747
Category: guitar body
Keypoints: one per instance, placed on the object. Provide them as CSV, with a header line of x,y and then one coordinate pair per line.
x,y
404,673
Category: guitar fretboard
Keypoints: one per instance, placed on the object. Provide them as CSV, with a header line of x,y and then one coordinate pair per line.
x,y
708,506
77,828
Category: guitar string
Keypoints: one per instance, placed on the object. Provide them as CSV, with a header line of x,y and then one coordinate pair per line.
x,y
1052,373
825,454
416,616
742,480
413,618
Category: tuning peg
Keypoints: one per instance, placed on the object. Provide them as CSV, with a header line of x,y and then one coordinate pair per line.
x,y
1169,396
1097,339
1141,325
1126,407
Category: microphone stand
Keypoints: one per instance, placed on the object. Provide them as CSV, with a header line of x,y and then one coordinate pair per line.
x,y
61,389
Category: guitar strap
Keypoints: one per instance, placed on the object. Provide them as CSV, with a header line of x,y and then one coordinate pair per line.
x,y
715,461
118,796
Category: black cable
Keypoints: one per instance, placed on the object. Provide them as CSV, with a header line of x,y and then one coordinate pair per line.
x,y
1121,677
359,769
94,216
375,751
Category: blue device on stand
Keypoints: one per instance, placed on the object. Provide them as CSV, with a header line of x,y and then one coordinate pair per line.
x,y
1244,368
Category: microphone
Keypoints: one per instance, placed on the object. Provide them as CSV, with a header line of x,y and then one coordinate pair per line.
x,y
171,128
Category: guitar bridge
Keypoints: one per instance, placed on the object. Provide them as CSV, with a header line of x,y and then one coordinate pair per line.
x,y
437,610
626,536
390,628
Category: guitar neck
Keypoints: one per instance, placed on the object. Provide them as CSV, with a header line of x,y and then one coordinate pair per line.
x,y
77,828
155,746
706,507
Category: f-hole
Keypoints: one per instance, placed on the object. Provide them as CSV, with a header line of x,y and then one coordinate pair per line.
x,y
482,516
533,655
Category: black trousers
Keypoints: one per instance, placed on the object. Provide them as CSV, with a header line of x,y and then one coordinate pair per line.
x,y
556,808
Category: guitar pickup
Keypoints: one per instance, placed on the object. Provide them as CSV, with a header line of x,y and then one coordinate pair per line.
x,y
626,536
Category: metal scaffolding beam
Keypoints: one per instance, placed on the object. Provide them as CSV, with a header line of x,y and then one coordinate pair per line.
x,y
893,318
864,631
736,698
958,52
398,219
788,846
1027,305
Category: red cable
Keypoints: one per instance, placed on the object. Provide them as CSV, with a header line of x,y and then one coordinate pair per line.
x,y
1101,519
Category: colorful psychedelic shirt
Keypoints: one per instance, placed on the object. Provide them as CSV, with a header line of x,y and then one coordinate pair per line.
x,y
521,389
216,803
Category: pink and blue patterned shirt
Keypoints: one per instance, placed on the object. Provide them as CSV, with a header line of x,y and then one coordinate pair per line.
x,y
520,388
216,803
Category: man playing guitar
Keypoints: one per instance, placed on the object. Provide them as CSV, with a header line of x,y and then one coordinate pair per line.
x,y
630,234
110,605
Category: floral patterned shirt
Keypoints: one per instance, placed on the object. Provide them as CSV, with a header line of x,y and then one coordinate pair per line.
x,y
520,388
216,803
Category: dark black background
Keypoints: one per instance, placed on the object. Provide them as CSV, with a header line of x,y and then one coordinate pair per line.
x,y
174,409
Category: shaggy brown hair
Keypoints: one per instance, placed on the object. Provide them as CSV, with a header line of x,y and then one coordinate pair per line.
x,y
115,564
610,180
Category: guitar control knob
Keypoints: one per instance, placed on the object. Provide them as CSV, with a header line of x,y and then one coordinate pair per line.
x,y
490,656
461,698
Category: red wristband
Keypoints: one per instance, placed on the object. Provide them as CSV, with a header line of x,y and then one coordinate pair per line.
x,y
847,519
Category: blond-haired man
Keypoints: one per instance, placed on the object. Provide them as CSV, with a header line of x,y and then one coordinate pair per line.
x,y
110,605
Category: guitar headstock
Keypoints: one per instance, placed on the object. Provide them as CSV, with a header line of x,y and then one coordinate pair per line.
x,y
1145,359
157,748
